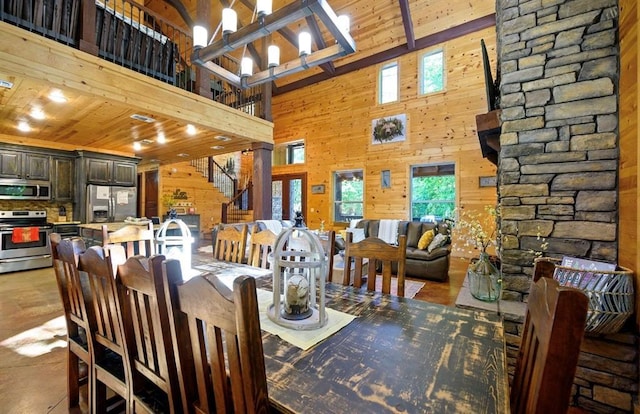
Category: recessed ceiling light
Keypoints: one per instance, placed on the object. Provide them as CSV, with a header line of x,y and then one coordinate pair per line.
x,y
24,126
137,146
191,130
56,95
37,113
183,155
217,147
222,138
143,118
146,141
6,84
161,138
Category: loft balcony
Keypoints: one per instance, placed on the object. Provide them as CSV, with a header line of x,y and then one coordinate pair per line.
x,y
131,36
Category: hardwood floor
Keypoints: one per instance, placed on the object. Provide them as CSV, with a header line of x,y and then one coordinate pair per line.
x,y
32,337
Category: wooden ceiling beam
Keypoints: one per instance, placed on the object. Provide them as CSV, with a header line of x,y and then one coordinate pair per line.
x,y
408,24
320,44
422,43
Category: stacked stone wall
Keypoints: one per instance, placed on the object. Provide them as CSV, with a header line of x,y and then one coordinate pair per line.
x,y
558,164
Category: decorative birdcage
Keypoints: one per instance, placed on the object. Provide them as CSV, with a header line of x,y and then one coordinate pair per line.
x,y
174,242
300,270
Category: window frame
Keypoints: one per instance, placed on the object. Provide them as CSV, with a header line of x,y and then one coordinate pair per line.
x,y
421,79
336,204
286,149
381,71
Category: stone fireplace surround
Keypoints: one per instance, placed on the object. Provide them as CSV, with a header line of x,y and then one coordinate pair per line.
x,y
557,171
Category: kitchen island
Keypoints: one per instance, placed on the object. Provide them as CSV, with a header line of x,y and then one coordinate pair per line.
x,y
91,233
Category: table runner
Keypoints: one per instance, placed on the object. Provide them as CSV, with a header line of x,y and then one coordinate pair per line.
x,y
228,272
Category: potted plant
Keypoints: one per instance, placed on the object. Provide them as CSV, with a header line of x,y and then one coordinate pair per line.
x,y
478,231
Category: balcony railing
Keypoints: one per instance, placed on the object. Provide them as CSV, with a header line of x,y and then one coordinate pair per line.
x,y
131,36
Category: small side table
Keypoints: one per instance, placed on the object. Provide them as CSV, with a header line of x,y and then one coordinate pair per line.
x,y
338,269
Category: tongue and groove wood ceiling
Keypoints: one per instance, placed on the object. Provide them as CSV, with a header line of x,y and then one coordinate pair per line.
x,y
382,30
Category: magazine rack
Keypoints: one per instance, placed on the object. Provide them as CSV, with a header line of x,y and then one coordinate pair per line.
x,y
610,293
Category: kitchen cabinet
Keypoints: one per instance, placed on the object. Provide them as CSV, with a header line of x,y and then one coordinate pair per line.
x,y
111,172
24,165
63,178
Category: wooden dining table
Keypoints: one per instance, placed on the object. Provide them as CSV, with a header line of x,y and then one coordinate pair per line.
x,y
398,355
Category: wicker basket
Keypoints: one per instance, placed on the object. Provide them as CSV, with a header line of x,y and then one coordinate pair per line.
x,y
610,293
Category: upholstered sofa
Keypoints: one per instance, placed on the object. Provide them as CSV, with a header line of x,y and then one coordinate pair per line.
x,y
420,263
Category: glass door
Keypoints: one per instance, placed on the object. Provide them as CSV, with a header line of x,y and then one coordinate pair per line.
x,y
288,194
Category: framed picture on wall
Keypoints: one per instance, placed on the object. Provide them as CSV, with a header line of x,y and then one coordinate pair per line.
x,y
389,129
317,189
385,179
491,181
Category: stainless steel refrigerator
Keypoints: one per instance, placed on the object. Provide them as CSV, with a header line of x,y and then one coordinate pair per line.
x,y
110,203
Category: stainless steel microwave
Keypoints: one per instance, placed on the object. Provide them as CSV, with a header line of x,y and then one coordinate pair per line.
x,y
25,190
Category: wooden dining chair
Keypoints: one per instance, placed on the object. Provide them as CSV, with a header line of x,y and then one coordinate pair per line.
x,y
549,349
154,383
260,245
230,244
65,264
221,357
110,369
376,251
328,242
137,240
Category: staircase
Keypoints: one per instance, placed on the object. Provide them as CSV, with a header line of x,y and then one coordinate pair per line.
x,y
239,205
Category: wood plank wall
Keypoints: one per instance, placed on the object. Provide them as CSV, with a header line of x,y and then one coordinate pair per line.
x,y
200,193
334,117
629,226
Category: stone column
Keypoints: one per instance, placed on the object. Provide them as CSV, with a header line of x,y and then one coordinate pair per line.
x,y
559,144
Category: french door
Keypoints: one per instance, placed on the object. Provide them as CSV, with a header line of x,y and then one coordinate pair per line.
x,y
288,195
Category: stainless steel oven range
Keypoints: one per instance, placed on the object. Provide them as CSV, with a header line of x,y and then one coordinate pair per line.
x,y
24,240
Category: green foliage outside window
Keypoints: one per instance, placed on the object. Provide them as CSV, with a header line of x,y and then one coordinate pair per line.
x,y
349,197
433,72
433,196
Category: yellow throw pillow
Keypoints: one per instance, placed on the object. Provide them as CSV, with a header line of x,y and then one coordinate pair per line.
x,y
425,239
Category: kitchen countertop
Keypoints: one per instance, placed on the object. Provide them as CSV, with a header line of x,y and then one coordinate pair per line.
x,y
65,222
112,226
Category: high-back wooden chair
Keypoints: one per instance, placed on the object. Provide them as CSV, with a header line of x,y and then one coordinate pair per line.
x,y
145,315
230,244
137,240
260,245
107,336
65,264
235,382
377,251
550,348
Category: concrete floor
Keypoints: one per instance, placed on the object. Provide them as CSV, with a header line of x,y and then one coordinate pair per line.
x,y
33,338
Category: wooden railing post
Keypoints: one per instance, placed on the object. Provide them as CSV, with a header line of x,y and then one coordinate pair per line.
x,y
223,214
88,28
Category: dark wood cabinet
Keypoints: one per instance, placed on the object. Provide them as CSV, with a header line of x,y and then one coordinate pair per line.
x,y
62,179
111,172
24,165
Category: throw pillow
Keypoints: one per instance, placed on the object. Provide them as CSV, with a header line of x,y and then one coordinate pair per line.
x,y
425,240
438,241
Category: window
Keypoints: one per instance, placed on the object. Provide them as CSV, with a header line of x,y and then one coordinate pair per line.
x,y
389,83
432,72
289,153
348,195
433,192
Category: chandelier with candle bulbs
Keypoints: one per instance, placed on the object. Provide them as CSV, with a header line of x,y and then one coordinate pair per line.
x,y
267,22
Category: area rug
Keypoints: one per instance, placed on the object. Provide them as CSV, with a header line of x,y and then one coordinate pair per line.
x,y
411,288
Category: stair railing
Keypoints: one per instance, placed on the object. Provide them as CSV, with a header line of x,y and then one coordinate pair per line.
x,y
238,207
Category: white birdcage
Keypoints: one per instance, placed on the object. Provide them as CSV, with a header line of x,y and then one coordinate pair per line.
x,y
174,242
299,276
